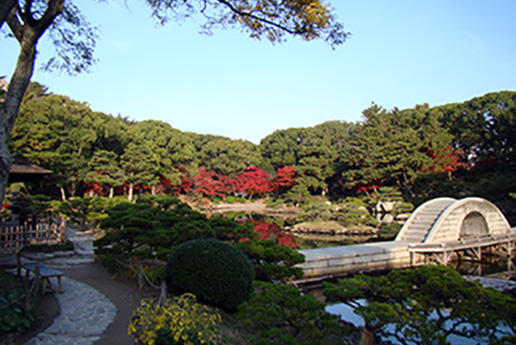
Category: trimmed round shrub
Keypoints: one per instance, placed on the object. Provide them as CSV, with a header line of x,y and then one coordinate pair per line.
x,y
216,272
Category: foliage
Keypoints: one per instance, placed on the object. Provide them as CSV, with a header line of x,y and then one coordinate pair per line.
x,y
74,40
315,210
48,248
180,321
297,195
13,316
271,231
483,127
281,314
312,151
105,173
253,181
427,304
151,227
409,151
394,147
272,261
354,212
286,177
216,272
87,212
388,232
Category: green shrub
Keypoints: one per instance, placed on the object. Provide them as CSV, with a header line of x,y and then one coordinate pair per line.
x,y
14,317
280,314
272,261
180,321
48,248
389,231
214,271
315,210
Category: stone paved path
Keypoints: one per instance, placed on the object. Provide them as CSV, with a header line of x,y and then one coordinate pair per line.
x,y
85,315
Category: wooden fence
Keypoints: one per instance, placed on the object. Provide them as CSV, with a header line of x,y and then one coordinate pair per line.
x,y
14,236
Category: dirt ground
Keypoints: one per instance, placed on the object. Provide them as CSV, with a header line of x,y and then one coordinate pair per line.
x,y
47,311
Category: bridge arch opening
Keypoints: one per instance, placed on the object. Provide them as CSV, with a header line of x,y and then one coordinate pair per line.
x,y
473,225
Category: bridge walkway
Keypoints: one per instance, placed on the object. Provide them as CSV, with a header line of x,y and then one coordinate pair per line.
x,y
435,232
341,260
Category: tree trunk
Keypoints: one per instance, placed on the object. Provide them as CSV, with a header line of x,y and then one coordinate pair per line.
x,y
27,34
367,337
130,194
8,112
111,192
63,194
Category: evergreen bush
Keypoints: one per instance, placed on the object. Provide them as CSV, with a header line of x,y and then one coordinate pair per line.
x,y
216,272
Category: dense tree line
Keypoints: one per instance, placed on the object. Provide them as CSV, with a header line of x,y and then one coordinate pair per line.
x,y
91,152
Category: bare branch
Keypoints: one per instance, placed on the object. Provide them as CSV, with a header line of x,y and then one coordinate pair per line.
x,y
15,25
55,8
261,19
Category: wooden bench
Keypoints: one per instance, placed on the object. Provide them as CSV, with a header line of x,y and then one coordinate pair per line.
x,y
45,273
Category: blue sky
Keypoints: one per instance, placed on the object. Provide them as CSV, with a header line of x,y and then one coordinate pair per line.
x,y
401,53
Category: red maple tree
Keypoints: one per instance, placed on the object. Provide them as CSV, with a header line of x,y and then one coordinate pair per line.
x,y
253,181
286,176
271,231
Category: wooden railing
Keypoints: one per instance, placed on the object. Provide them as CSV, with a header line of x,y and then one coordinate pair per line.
x,y
14,236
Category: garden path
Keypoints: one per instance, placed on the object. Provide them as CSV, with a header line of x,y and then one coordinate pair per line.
x,y
95,308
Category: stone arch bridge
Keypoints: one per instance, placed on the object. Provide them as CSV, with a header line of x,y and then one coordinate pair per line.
x,y
436,231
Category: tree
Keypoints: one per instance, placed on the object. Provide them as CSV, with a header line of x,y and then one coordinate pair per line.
x,y
140,166
394,147
105,171
173,148
483,127
206,182
229,157
57,133
28,20
311,150
285,177
426,305
74,38
253,181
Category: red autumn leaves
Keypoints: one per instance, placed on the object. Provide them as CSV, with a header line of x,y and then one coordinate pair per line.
x,y
251,182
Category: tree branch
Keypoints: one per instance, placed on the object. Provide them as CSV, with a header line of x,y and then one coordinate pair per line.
x,y
26,14
15,25
55,8
263,20
5,8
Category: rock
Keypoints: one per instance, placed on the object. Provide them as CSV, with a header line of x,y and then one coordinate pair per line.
x,y
320,227
505,286
385,206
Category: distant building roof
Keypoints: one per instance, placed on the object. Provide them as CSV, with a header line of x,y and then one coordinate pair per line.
x,y
23,167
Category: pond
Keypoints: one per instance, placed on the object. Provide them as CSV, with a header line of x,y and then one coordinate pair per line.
x,y
347,314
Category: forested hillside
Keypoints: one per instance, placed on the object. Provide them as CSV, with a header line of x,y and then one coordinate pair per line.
x,y
456,149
